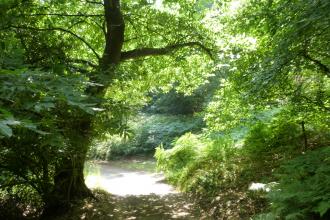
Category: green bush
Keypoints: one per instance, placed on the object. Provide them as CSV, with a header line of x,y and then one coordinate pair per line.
x,y
303,191
148,132
111,147
176,103
183,153
20,202
215,167
162,129
198,164
40,130
211,169
267,145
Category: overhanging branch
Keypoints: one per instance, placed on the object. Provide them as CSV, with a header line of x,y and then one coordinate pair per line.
x,y
62,15
323,67
62,30
94,2
143,52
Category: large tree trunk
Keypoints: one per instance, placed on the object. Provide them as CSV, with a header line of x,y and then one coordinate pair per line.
x,y
69,185
69,182
114,37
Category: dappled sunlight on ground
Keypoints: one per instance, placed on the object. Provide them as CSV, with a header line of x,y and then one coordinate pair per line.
x,y
123,181
144,207
130,189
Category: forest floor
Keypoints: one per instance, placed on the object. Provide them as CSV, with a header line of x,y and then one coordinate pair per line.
x,y
131,189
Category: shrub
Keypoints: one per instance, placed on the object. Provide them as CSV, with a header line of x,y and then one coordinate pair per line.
x,y
20,202
40,130
162,129
183,153
176,103
267,145
209,169
207,174
154,131
111,147
303,191
198,164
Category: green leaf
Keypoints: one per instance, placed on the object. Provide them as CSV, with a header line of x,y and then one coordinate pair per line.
x,y
29,125
44,106
5,129
322,207
11,121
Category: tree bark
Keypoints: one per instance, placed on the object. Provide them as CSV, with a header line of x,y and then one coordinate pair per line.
x,y
69,182
114,36
69,178
143,52
324,69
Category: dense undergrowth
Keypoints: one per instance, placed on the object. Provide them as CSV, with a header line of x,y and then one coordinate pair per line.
x,y
221,172
156,129
161,122
266,145
246,104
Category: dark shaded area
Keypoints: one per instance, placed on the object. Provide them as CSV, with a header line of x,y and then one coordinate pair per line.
x,y
107,206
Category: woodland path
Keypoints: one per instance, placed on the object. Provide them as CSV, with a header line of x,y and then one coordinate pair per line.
x,y
131,189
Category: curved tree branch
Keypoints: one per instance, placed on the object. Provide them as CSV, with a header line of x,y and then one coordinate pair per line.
x,y
62,30
143,52
62,15
323,67
94,2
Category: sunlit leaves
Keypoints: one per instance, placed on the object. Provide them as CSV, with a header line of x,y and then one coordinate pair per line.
x,y
305,180
5,130
286,33
28,94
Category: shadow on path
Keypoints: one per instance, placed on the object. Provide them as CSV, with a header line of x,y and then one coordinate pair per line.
x,y
123,192
106,206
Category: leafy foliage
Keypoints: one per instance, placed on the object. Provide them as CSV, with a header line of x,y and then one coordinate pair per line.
x,y
303,188
53,82
291,53
144,138
177,102
210,169
172,161
266,97
38,111
198,164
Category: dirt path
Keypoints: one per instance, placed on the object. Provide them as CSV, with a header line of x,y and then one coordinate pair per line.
x,y
127,177
131,190
148,207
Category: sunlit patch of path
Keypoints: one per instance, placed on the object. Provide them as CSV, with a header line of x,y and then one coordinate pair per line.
x,y
126,190
123,181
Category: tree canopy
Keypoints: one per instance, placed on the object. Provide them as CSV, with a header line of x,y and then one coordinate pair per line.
x,y
70,66
72,71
